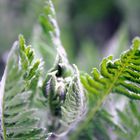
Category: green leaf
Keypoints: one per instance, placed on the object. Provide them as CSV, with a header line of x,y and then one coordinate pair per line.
x,y
18,89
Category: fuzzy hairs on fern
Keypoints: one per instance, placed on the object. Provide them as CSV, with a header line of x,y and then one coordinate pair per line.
x,y
65,95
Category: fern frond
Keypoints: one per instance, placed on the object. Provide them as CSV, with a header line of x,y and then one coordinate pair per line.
x,y
46,38
49,24
118,76
129,119
19,83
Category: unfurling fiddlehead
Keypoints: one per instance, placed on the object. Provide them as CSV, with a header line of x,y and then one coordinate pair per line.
x,y
65,95
62,87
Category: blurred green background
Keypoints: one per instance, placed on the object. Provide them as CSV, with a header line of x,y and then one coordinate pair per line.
x,y
90,29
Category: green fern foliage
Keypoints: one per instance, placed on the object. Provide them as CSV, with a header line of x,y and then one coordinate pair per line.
x,y
32,105
46,37
118,76
115,76
49,24
129,120
18,88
